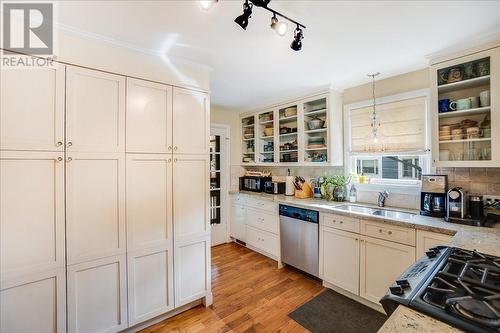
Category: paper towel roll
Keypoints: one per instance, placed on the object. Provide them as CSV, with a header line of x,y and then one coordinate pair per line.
x,y
290,189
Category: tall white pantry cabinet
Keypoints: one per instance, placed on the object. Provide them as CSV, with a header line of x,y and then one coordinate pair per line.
x,y
103,200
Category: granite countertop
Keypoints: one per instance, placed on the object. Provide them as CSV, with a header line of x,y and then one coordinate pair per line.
x,y
485,240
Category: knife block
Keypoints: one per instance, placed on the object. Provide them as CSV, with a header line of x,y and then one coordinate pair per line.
x,y
305,193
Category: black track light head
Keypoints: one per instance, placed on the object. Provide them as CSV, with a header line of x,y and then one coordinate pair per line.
x,y
261,3
242,20
297,39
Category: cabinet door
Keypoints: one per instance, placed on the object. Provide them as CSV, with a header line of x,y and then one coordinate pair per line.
x,y
150,284
191,122
32,109
192,269
31,212
97,296
427,239
149,117
381,263
95,111
339,258
149,201
237,223
95,205
191,197
34,303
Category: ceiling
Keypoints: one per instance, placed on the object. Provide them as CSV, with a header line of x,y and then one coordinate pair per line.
x,y
344,40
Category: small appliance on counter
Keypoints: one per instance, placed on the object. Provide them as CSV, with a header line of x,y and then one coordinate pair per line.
x,y
254,181
459,205
433,195
456,286
274,187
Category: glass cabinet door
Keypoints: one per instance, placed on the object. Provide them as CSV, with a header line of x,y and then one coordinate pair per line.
x,y
248,137
316,131
215,179
288,134
464,111
265,130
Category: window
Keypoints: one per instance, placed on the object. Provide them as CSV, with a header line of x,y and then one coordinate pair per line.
x,y
401,154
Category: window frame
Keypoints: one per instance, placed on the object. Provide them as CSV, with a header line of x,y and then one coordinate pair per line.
x,y
409,185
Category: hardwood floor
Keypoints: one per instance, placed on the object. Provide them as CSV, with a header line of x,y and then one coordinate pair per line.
x,y
250,295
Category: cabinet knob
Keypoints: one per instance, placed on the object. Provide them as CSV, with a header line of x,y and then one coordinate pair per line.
x,y
59,143
380,230
169,148
334,221
390,232
175,148
169,160
69,159
69,144
341,222
355,239
175,160
59,159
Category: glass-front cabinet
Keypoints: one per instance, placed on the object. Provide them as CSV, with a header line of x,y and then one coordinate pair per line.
x,y
465,110
297,133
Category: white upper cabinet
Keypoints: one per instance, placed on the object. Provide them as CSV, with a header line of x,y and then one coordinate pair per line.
x,y
149,201
149,117
191,122
97,296
95,111
31,212
32,109
95,205
190,207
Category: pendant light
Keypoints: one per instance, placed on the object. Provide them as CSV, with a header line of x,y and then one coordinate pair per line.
x,y
207,4
374,121
297,39
279,26
242,20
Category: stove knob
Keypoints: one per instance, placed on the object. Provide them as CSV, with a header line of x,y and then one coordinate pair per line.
x,y
435,250
403,283
431,254
396,290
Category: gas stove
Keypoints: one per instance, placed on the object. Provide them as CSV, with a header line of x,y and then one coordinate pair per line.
x,y
459,287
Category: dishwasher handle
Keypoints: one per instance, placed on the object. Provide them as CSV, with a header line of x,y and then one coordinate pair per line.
x,y
299,213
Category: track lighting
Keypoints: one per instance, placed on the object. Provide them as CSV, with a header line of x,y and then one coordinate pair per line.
x,y
279,27
207,4
261,3
297,39
242,20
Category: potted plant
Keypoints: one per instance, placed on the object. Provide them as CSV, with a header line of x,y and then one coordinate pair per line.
x,y
335,187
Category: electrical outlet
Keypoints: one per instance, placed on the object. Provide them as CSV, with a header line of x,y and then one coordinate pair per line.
x,y
489,199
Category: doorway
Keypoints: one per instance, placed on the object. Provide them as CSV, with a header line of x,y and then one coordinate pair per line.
x,y
219,173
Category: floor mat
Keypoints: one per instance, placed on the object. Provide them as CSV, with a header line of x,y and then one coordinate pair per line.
x,y
331,312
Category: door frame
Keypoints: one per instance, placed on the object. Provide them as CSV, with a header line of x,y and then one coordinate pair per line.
x,y
227,165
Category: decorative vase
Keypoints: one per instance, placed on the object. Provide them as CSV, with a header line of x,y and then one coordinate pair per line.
x,y
339,193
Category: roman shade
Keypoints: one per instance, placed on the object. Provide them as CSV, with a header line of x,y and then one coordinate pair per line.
x,y
402,127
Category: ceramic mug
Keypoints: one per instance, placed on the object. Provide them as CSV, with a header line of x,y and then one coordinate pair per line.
x,y
474,133
484,98
463,104
446,105
474,102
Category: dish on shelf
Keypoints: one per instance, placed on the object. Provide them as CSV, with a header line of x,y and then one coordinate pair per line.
x,y
315,123
269,131
290,111
316,140
248,135
247,159
316,146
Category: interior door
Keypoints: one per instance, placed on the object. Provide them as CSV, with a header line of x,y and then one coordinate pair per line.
x,y
190,137
218,184
95,111
149,117
32,109
95,205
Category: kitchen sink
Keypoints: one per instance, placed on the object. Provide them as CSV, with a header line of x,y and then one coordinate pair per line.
x,y
391,214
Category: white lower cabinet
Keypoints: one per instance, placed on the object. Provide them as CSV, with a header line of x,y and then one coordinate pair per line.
x,y
191,267
150,284
381,263
339,258
428,239
263,240
34,303
97,296
237,227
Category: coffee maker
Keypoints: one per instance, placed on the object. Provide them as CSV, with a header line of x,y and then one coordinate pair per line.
x,y
433,195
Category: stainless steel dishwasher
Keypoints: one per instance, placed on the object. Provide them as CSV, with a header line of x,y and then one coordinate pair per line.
x,y
299,233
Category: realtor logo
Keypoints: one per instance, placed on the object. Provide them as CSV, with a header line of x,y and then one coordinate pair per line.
x,y
28,28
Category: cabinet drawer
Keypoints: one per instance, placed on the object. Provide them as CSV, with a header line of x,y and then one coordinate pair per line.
x,y
389,232
340,222
260,204
262,220
263,240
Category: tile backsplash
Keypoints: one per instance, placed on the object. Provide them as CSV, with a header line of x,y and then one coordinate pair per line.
x,y
474,180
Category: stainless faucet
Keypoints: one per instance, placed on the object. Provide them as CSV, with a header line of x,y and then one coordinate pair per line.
x,y
381,198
